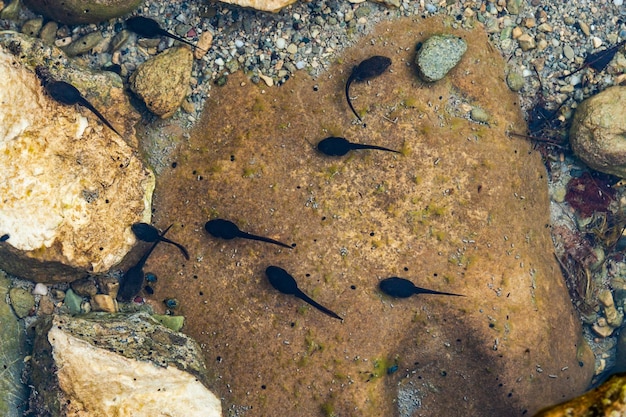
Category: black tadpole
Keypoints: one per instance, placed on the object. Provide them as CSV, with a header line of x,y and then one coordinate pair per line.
x,y
133,278
366,70
66,93
598,60
150,28
225,229
403,288
334,146
286,284
149,233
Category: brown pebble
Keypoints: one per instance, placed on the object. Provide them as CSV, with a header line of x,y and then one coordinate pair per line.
x,y
204,43
46,306
103,302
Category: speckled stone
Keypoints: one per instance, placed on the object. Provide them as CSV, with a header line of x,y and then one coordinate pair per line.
x,y
162,82
145,368
515,81
597,132
438,55
22,301
12,392
75,12
84,44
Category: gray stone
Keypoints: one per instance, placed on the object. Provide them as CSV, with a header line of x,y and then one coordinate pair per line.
x,y
85,287
74,12
22,301
48,33
438,55
84,44
162,82
106,363
514,6
515,81
479,115
32,27
598,132
72,301
12,391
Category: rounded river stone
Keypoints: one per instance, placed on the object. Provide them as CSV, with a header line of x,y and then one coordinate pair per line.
x,y
438,55
76,12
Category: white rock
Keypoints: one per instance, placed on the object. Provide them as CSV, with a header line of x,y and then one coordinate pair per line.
x,y
70,186
98,382
40,289
281,43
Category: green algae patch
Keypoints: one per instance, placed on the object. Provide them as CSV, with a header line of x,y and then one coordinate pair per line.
x,y
448,214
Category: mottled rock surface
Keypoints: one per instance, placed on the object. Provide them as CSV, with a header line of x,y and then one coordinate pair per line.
x,y
71,187
263,5
462,209
76,12
438,55
598,132
118,365
162,81
609,399
12,392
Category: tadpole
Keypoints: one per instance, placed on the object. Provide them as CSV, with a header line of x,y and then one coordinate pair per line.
x,y
598,60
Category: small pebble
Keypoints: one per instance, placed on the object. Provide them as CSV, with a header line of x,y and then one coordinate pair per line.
x,y
597,42
171,303
568,52
281,43
40,289
204,44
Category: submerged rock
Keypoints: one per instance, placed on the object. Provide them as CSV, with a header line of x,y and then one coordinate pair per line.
x,y
162,82
121,365
438,55
76,12
12,392
598,129
263,5
462,209
606,400
72,187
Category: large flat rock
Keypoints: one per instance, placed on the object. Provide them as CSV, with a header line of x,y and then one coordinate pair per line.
x,y
463,209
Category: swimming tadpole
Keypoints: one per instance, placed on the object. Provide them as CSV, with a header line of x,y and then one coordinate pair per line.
x,y
335,146
403,288
225,229
286,284
366,70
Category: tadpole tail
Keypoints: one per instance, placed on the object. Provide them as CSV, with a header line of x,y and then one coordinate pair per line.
x,y
320,307
582,67
83,102
419,290
380,148
179,39
263,239
183,250
348,83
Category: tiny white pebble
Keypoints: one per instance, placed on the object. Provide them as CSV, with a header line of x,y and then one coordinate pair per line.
x,y
574,79
238,43
526,73
300,64
219,62
618,2
281,43
40,289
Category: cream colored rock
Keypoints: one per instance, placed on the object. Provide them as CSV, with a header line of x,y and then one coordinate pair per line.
x,y
598,131
70,186
96,380
263,5
104,302
162,82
